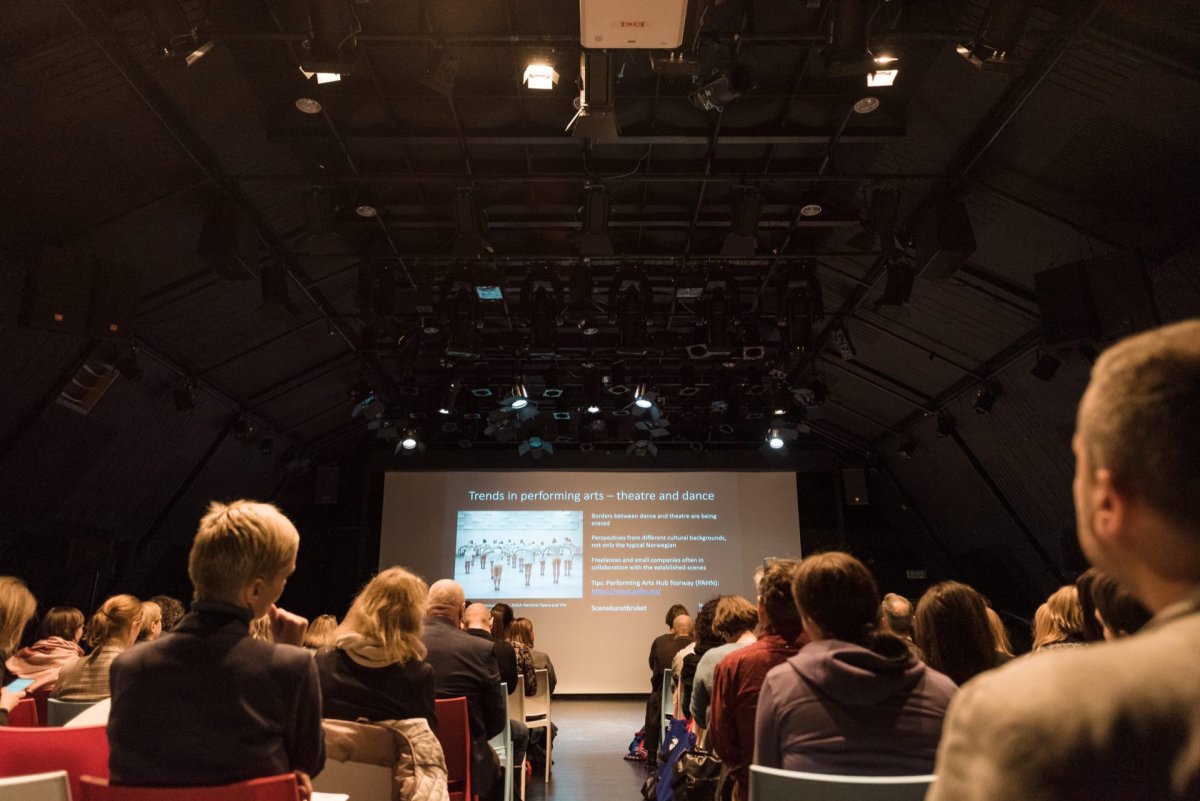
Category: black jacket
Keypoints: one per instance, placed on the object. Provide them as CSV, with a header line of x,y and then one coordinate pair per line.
x,y
205,704
506,658
396,692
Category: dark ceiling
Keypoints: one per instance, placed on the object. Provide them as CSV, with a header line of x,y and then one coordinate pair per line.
x,y
1084,146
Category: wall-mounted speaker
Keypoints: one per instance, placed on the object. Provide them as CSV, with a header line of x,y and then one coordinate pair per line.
x,y
1098,299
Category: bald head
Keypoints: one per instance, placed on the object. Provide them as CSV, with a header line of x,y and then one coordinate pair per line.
x,y
446,599
682,626
477,616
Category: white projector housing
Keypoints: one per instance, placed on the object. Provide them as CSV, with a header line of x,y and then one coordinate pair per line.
x,y
632,24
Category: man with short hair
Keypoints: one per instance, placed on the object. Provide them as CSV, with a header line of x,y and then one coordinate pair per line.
x,y
662,652
464,665
1115,720
207,704
477,621
898,614
738,678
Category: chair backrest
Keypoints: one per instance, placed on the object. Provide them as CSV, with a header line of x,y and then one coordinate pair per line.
x,y
95,715
665,703
516,701
40,697
538,704
53,786
59,712
454,733
269,788
77,751
772,784
355,779
24,713
502,744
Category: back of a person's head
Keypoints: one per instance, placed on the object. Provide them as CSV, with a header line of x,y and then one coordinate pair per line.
x,y
1059,619
499,632
320,632
389,612
702,629
1000,640
951,628
734,616
172,611
839,594
776,593
17,607
521,630
446,599
237,543
1121,612
1140,418
1091,630
60,621
113,620
151,615
683,626
477,616
675,611
898,613
506,615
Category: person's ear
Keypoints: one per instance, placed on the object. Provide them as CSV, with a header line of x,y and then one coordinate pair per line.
x,y
1109,507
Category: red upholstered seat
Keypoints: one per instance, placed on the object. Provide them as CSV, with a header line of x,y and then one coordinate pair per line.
x,y
81,751
25,713
454,733
269,788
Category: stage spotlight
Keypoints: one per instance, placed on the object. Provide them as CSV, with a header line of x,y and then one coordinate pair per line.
x,y
802,305
319,210
885,71
441,71
985,398
333,40
775,439
174,33
409,441
641,447
540,75
631,301
597,114
449,396
535,447
1046,366
741,240
643,398
518,396
999,34
724,89
899,287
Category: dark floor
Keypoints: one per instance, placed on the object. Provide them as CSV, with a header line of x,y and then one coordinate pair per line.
x,y
593,736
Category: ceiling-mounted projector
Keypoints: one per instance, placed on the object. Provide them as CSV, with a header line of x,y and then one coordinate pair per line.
x,y
632,24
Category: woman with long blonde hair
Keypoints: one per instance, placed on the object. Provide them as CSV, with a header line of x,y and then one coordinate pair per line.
x,y
112,630
17,607
376,668
1058,623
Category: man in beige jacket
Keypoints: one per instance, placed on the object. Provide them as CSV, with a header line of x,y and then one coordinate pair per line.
x,y
1118,720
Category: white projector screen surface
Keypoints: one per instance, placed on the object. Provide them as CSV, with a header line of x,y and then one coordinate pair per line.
x,y
593,559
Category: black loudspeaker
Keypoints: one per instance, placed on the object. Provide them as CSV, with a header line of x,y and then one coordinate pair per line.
x,y
1098,299
115,291
854,486
229,241
59,292
945,240
328,477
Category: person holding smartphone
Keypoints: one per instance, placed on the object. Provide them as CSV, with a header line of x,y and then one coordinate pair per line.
x,y
17,606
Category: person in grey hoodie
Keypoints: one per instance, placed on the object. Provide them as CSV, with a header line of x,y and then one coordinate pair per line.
x,y
855,700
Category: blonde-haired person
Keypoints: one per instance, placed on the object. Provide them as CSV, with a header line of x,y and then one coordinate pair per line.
x,y
376,668
1058,623
113,628
152,622
248,708
57,646
1000,641
320,633
17,607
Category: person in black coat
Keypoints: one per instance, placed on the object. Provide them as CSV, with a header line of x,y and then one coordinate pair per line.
x,y
466,666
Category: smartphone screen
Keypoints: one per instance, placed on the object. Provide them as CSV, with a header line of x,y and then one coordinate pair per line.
x,y
19,685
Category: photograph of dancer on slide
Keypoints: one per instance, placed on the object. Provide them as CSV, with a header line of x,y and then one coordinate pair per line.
x,y
530,554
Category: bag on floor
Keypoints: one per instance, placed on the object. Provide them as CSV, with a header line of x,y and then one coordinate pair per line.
x,y
637,747
676,744
696,775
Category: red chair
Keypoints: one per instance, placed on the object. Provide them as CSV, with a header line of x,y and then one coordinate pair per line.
x,y
454,733
77,751
24,714
270,788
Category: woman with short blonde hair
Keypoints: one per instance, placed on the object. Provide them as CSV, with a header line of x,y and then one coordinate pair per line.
x,y
1058,623
152,622
376,668
112,630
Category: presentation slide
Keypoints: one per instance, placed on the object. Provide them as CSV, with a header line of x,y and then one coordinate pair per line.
x,y
593,559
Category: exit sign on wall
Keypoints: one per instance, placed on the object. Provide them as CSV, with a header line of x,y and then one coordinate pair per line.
x,y
917,574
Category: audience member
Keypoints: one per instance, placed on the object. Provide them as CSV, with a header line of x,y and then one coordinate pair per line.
x,y
662,652
898,615
506,616
479,621
1000,642
1117,611
172,611
320,633
1058,623
520,633
17,607
520,637
375,668
734,621
210,705
1091,630
113,629
683,666
1120,719
855,699
738,678
951,628
464,665
152,627
57,646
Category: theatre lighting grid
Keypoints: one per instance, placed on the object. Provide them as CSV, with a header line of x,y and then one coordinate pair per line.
x,y
596,117
535,447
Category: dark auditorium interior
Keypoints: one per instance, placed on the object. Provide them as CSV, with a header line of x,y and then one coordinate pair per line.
x,y
889,236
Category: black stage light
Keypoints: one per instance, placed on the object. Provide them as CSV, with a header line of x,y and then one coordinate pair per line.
x,y
999,34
